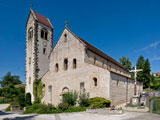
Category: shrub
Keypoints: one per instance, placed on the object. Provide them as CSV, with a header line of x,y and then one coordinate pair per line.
x,y
98,102
83,99
46,109
75,109
40,108
63,106
28,99
21,99
38,90
70,98
8,108
33,109
5,100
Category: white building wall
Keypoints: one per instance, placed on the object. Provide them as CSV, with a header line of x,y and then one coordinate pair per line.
x,y
71,78
39,63
30,67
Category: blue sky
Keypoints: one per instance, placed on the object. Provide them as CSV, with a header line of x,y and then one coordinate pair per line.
x,y
117,27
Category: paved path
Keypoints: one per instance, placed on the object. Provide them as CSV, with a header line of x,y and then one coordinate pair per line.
x,y
3,106
80,116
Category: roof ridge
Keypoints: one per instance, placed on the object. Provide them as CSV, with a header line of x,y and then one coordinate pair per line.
x,y
42,19
98,51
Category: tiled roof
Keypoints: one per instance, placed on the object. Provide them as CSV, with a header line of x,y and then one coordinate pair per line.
x,y
43,19
99,52
158,73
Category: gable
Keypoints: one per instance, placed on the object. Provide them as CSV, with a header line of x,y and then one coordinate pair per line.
x,y
67,39
43,20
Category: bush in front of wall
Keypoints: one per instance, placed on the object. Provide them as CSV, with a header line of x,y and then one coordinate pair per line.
x,y
49,109
83,99
99,102
70,98
21,100
35,108
38,90
63,106
75,109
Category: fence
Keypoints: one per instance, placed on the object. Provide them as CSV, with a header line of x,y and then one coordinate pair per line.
x,y
155,105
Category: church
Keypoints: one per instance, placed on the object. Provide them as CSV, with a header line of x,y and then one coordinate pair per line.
x,y
72,64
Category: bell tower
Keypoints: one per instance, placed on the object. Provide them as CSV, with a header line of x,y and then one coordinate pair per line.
x,y
38,46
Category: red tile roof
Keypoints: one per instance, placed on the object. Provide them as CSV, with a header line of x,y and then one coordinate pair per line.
x,y
158,73
102,54
43,19
99,52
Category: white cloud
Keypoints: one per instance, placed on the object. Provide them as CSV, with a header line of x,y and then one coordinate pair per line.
x,y
152,45
155,59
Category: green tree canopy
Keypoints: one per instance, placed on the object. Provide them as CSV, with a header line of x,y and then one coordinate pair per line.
x,y
125,62
8,79
140,62
144,76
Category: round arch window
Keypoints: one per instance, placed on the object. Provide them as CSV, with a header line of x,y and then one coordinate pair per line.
x,y
64,90
95,81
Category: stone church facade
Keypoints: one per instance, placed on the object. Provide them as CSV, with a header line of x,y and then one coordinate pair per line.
x,y
72,64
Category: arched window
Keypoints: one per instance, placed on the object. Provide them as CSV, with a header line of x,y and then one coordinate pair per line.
x,y
44,34
65,37
65,64
74,63
56,67
117,82
30,33
94,60
95,82
64,90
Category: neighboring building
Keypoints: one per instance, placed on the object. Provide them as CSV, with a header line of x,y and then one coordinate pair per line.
x,y
156,74
73,64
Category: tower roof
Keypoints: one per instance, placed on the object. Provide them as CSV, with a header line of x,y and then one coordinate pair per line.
x,y
42,19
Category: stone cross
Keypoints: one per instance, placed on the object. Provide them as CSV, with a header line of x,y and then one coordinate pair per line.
x,y
31,5
135,76
66,23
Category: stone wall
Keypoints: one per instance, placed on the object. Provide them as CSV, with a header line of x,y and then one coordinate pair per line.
x,y
122,89
99,61
30,56
71,78
56,81
36,63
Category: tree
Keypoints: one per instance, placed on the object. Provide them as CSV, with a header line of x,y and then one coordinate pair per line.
x,y
125,62
8,79
21,99
140,65
144,76
140,62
